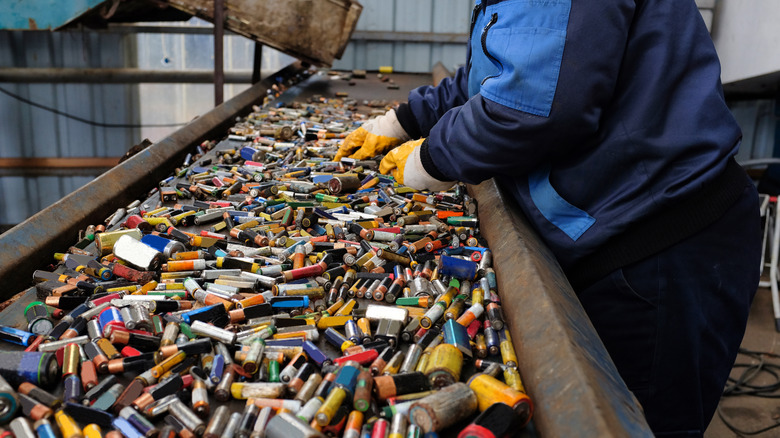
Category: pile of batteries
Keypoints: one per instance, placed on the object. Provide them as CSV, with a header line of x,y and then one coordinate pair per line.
x,y
265,290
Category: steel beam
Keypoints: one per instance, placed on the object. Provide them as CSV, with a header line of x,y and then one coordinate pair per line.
x,y
118,76
32,243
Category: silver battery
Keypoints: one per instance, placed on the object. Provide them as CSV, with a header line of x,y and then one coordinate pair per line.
x,y
93,329
216,273
375,313
22,428
420,287
51,347
188,418
309,410
138,254
262,421
136,317
232,425
204,329
285,425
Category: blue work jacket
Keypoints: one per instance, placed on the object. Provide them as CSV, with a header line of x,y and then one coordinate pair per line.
x,y
593,114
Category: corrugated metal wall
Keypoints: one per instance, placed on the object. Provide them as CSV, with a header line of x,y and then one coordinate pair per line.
x,y
174,103
429,16
30,132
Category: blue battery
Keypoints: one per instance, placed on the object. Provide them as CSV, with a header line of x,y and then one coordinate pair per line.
x,y
248,153
347,378
316,179
217,369
16,336
315,354
456,334
110,318
289,302
458,268
292,342
205,314
274,208
337,339
156,242
127,429
45,430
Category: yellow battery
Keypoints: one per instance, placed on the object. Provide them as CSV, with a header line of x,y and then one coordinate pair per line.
x,y
155,211
335,307
512,378
165,366
507,349
332,321
346,309
178,218
92,431
67,425
155,221
490,390
364,324
478,296
444,365
330,406
145,289
107,348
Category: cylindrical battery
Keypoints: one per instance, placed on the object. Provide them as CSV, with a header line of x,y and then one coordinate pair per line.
x,y
217,423
40,369
443,408
444,365
490,390
285,425
137,253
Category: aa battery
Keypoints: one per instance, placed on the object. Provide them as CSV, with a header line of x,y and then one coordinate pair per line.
x,y
399,384
308,388
188,418
203,329
245,390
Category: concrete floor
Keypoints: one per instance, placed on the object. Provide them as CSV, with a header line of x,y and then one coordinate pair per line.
x,y
750,413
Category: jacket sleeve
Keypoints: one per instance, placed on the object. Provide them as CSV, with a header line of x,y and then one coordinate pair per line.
x,y
484,138
428,104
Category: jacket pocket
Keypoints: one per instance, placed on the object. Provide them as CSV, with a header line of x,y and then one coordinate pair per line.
x,y
524,44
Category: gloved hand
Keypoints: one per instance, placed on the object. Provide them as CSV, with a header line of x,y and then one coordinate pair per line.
x,y
375,137
404,164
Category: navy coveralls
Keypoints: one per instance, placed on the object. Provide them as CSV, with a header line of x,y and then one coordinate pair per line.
x,y
607,122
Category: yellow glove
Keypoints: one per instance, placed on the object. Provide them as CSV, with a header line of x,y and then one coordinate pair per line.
x,y
404,164
375,137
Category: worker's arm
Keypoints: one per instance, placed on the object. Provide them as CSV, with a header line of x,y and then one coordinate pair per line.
x,y
428,104
527,111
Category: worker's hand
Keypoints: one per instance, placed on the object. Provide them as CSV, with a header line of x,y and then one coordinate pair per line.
x,y
375,137
404,164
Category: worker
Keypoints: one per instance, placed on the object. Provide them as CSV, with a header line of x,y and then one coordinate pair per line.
x,y
607,123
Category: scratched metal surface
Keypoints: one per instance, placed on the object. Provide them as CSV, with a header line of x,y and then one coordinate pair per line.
x,y
569,375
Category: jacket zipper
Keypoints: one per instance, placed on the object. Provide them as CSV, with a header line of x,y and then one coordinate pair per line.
x,y
493,19
474,14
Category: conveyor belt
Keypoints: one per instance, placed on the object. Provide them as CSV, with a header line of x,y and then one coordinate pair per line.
x,y
565,367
